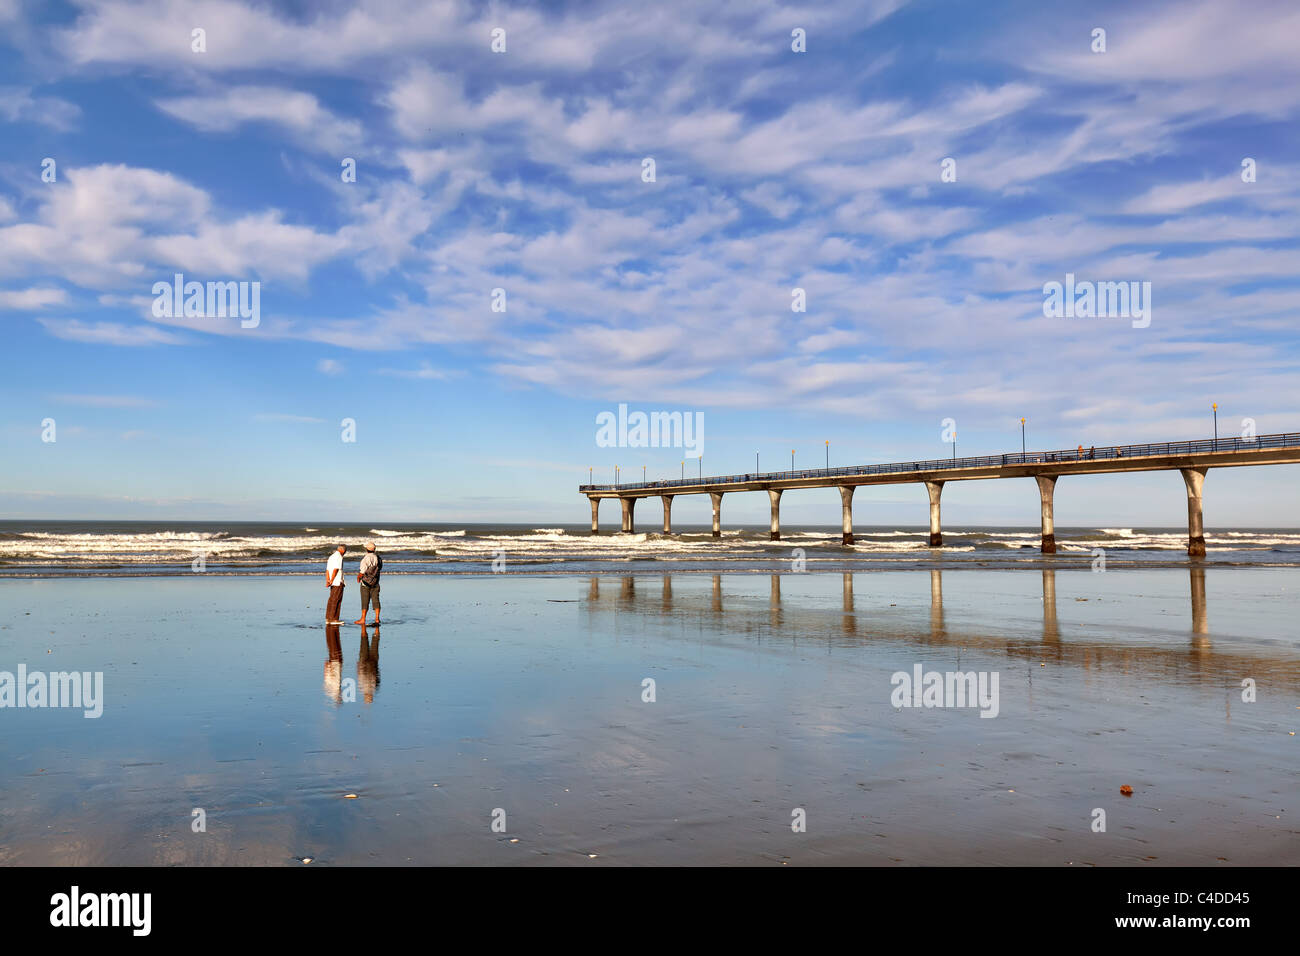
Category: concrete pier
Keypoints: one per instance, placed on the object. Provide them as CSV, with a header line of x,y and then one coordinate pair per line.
x,y
1046,489
935,488
846,515
1192,458
1194,478
668,513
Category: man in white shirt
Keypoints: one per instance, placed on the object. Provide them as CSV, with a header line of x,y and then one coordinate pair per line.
x,y
334,581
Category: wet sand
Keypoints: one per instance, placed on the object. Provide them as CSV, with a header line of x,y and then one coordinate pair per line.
x,y
772,693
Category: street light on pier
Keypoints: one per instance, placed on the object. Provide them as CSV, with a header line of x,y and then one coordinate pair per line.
x,y
792,461
1022,436
616,476
828,454
1215,406
683,469
701,459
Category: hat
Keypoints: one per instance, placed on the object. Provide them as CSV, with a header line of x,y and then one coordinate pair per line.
x,y
370,546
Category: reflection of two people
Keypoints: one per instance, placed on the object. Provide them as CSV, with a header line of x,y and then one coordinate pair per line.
x,y
367,664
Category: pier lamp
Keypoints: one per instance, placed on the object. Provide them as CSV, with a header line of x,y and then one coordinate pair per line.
x,y
643,474
1215,406
701,458
792,461
828,454
1022,436
683,469
616,476
590,469
755,463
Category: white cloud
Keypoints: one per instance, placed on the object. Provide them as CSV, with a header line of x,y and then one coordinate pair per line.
x,y
18,104
300,113
110,333
29,299
104,401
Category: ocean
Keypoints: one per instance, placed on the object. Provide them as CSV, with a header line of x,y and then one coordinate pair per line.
x,y
93,548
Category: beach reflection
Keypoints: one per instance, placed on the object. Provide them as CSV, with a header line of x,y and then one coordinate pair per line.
x,y
333,664
367,665
790,609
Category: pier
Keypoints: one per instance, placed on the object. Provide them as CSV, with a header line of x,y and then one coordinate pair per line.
x,y
1192,458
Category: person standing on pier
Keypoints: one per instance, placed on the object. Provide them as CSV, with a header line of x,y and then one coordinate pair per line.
x,y
334,581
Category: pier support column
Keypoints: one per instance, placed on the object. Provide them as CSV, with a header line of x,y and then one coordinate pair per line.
x,y
595,516
846,515
775,496
935,488
668,513
629,508
1046,489
716,498
1194,478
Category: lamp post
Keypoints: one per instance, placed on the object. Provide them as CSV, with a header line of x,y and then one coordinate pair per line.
x,y
590,469
755,464
701,458
1022,436
616,476
643,474
828,454
954,444
792,461
683,469
1215,406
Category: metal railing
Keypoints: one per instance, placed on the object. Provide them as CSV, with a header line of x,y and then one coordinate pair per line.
x,y
1199,446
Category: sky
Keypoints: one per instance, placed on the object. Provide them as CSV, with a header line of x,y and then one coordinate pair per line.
x,y
561,208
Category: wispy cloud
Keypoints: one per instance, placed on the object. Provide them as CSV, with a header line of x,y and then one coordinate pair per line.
x,y
104,401
285,417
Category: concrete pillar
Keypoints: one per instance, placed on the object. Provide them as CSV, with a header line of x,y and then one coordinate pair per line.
x,y
595,516
629,521
1194,478
1046,489
935,488
775,497
668,513
716,498
846,514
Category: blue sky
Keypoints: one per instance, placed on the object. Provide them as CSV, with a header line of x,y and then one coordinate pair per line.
x,y
522,170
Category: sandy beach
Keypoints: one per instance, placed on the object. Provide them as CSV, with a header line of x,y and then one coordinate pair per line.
x,y
772,694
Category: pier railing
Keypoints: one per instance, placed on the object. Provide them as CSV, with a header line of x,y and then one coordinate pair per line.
x,y
1092,453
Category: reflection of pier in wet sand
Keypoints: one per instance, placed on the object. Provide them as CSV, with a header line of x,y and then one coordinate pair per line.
x,y
800,618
